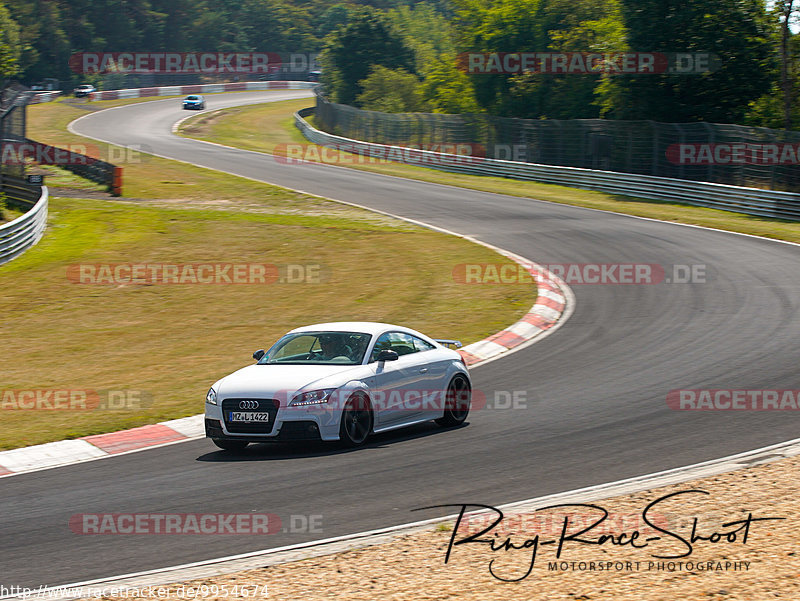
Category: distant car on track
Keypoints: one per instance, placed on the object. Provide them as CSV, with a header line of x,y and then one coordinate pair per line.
x,y
339,381
194,102
84,90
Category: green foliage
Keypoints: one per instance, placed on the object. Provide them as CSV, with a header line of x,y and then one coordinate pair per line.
x,y
332,19
447,89
737,31
10,45
500,26
391,91
539,26
428,33
768,110
52,30
353,50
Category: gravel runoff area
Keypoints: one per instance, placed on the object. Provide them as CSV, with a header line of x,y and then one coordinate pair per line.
x,y
727,565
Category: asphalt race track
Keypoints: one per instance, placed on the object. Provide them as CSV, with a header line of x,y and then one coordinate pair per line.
x,y
596,389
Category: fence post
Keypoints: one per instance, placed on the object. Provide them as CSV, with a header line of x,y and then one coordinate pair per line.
x,y
116,187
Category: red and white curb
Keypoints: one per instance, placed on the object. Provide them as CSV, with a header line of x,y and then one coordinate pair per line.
x,y
98,446
211,88
550,307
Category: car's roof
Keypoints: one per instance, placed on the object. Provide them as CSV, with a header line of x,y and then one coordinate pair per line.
x,y
367,327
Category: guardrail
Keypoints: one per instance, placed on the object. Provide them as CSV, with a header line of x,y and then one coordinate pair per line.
x,y
19,192
40,97
750,201
85,166
211,88
19,235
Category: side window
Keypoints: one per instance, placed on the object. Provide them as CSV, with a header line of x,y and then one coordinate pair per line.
x,y
401,343
421,345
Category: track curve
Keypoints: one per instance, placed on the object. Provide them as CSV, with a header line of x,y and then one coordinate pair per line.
x,y
596,390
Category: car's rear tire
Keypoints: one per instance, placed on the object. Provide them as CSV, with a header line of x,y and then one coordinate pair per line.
x,y
230,445
356,423
457,403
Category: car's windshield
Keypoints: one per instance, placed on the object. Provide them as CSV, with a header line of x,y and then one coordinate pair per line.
x,y
192,98
318,348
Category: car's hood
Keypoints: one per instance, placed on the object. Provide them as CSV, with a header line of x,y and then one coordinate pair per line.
x,y
280,381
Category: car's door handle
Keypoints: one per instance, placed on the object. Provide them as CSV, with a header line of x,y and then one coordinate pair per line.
x,y
422,370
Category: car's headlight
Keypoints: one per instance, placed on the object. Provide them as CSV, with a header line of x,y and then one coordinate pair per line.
x,y
315,397
211,396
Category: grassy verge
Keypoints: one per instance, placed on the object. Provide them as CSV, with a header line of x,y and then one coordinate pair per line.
x,y
8,214
165,344
262,127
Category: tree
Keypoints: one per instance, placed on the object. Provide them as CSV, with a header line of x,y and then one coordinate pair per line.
x,y
332,19
351,51
500,26
786,83
736,31
391,91
539,26
447,89
10,46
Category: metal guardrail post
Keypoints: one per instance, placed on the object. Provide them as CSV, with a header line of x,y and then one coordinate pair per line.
x,y
116,186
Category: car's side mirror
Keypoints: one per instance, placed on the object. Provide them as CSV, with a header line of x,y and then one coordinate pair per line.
x,y
388,355
258,354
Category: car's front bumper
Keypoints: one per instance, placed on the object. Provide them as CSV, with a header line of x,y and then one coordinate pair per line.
x,y
289,431
293,423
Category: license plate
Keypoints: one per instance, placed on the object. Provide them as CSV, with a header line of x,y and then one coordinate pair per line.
x,y
248,416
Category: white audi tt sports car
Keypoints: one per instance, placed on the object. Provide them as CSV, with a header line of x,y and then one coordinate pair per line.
x,y
339,381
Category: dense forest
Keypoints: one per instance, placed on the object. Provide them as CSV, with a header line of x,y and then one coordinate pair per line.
x,y
405,56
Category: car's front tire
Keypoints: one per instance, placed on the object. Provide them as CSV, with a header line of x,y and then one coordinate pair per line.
x,y
356,423
230,445
457,403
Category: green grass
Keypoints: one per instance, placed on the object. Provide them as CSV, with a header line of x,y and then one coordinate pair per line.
x,y
262,127
59,177
9,214
172,341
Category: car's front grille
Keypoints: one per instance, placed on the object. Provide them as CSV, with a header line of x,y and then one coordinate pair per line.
x,y
251,406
